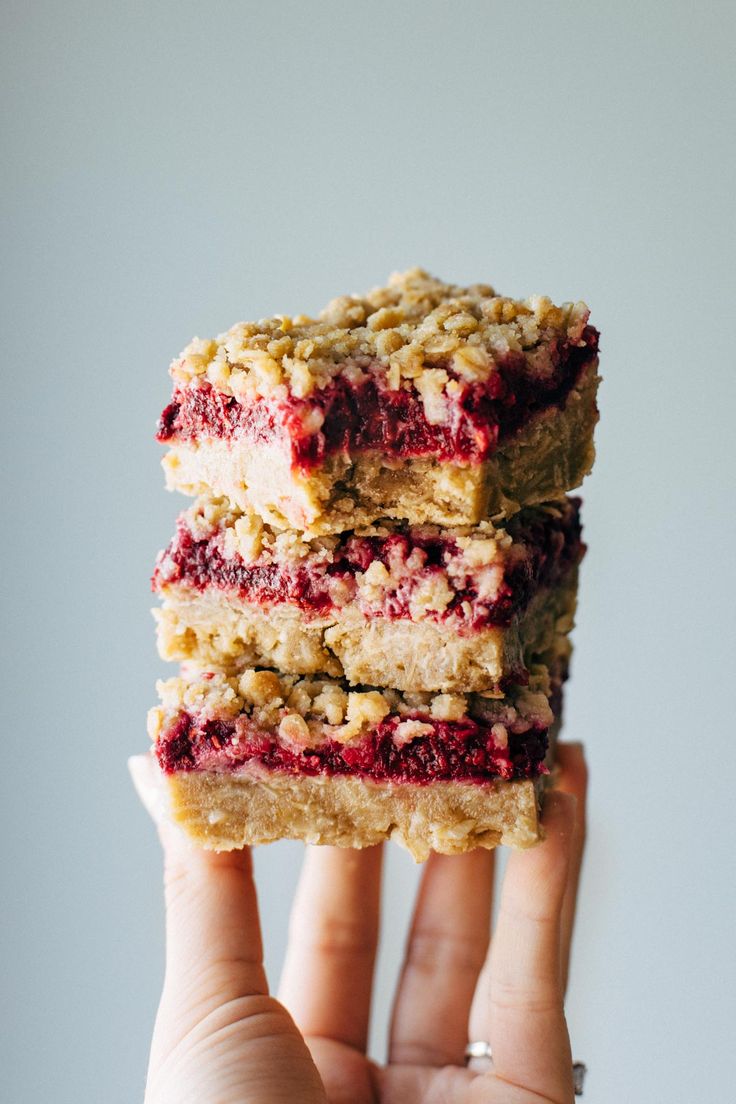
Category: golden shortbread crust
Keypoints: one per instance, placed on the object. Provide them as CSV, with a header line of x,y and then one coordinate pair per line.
x,y
217,627
223,812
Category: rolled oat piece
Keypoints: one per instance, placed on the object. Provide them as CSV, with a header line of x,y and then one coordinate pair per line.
x,y
421,401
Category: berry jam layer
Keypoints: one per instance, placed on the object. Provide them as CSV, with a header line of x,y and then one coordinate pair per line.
x,y
348,417
466,579
214,723
416,369
449,752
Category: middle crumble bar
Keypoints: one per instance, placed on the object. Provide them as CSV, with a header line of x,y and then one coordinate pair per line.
x,y
392,605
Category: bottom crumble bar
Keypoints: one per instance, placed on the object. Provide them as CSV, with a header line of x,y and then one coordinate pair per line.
x,y
224,812
261,757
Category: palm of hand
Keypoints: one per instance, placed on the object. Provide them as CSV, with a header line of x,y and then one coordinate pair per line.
x,y
350,1078
221,1039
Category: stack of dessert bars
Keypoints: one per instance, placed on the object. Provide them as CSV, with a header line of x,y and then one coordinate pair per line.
x,y
371,596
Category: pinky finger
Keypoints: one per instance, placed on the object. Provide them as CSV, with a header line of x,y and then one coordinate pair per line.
x,y
527,1028
573,779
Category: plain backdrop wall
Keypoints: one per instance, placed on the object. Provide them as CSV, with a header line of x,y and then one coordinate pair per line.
x,y
170,168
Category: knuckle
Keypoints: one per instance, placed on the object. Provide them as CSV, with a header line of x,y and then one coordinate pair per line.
x,y
435,951
544,997
339,937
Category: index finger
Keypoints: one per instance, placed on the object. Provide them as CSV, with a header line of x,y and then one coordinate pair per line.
x,y
212,926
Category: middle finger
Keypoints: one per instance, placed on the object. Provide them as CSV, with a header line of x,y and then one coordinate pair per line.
x,y
446,948
328,973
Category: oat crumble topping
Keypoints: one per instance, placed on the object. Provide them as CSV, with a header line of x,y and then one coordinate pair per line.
x,y
424,333
307,711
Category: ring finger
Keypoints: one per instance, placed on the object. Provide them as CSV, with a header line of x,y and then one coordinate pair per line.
x,y
572,779
523,1016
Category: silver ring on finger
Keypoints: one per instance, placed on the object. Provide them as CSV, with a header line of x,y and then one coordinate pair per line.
x,y
480,1050
579,1070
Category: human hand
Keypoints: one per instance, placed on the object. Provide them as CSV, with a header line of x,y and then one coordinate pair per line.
x,y
220,1038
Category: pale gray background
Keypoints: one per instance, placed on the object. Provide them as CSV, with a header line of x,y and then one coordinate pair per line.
x,y
171,168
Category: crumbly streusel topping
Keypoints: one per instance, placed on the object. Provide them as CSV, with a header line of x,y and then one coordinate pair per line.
x,y
248,536
307,711
426,334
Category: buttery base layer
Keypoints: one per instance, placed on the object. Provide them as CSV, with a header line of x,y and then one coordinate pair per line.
x,y
223,812
216,627
544,460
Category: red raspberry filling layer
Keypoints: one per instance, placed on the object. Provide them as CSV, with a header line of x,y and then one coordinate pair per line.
x,y
456,750
368,416
552,546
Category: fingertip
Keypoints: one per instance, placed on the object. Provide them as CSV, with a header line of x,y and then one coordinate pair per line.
x,y
142,772
559,814
577,746
341,858
533,871
135,764
469,865
148,784
559,805
573,769
328,869
571,752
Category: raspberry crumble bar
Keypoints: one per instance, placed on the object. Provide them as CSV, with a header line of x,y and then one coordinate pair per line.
x,y
394,605
421,401
264,756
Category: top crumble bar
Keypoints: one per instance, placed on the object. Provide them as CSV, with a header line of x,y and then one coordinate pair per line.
x,y
421,400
